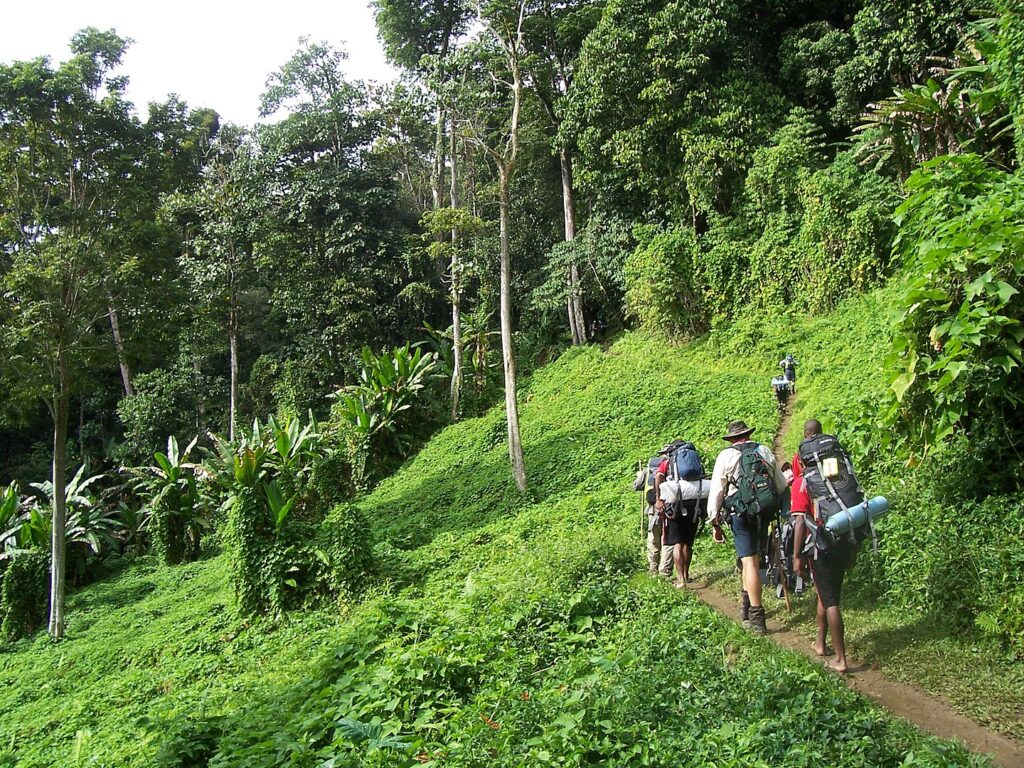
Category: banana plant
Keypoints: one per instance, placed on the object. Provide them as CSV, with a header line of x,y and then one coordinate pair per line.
x,y
173,507
88,523
387,387
11,518
76,491
171,478
294,449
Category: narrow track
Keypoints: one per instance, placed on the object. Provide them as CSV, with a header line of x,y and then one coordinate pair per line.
x,y
929,713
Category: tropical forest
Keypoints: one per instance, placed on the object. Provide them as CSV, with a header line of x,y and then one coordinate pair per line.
x,y
323,440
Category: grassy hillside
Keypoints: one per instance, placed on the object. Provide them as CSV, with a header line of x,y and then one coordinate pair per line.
x,y
509,631
939,604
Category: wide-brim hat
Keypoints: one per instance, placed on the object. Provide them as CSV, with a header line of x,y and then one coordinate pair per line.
x,y
738,429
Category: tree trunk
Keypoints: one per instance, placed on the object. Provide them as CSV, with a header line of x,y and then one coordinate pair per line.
x,y
197,381
456,290
58,562
575,302
233,343
438,169
515,446
115,327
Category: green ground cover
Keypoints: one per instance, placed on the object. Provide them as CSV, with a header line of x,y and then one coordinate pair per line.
x,y
913,608
507,631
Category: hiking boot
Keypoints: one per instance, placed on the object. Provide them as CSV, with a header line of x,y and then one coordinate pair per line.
x,y
756,622
744,607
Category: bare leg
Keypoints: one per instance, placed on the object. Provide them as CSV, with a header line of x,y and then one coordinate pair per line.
x,y
687,559
677,555
838,632
819,645
752,579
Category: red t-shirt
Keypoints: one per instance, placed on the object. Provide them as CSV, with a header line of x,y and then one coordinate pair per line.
x,y
663,468
800,499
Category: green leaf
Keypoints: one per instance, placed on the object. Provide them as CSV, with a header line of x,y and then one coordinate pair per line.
x,y
901,384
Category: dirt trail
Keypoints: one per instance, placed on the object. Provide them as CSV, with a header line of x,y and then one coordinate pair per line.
x,y
783,430
927,712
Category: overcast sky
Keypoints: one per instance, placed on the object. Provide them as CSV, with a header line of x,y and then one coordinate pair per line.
x,y
213,54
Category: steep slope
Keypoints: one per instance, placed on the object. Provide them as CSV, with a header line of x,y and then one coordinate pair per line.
x,y
508,631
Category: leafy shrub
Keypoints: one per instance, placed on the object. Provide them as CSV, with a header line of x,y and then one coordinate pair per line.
x,y
956,359
662,287
278,481
161,406
24,593
951,557
344,544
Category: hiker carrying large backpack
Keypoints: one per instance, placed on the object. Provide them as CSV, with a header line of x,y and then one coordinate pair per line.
x,y
825,486
745,490
659,554
676,476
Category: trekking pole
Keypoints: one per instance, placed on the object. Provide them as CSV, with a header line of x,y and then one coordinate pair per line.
x,y
643,503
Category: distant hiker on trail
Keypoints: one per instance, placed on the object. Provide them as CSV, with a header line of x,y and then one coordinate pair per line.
x,y
781,386
745,489
788,365
814,489
786,498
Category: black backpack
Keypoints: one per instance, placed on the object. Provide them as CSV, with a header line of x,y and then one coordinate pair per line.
x,y
755,498
831,481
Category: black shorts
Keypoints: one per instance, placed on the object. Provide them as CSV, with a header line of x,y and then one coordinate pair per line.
x,y
829,568
749,539
681,528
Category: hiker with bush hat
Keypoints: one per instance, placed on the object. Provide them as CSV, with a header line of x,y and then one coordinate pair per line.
x,y
746,485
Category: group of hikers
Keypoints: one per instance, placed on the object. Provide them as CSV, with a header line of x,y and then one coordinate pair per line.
x,y
789,521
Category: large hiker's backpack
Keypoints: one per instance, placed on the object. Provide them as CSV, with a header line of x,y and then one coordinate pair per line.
x,y
686,475
646,476
831,483
755,498
684,462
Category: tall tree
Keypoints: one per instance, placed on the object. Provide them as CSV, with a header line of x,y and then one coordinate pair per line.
x,y
330,218
218,220
419,35
503,22
67,157
555,33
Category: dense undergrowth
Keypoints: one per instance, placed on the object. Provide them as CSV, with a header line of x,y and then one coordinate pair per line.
x,y
505,630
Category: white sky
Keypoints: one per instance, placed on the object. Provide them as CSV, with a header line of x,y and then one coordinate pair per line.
x,y
212,54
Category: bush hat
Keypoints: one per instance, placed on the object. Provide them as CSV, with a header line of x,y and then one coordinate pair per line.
x,y
738,429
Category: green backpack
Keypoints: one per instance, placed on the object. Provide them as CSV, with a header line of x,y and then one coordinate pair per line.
x,y
755,498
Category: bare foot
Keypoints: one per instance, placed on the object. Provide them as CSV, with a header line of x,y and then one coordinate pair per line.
x,y
839,665
680,584
820,650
